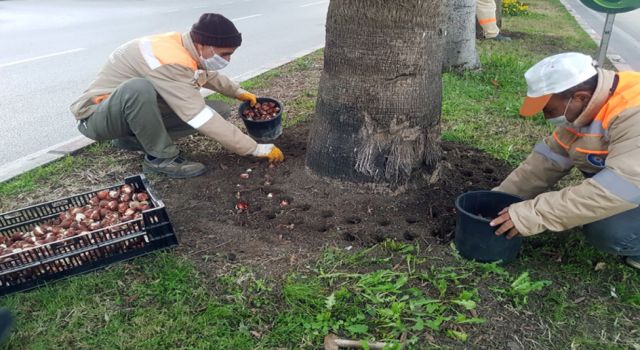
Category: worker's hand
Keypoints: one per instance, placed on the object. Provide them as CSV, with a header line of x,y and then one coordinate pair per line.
x,y
269,151
249,97
506,225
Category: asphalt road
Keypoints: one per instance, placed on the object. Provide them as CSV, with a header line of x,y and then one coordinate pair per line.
x,y
52,49
625,37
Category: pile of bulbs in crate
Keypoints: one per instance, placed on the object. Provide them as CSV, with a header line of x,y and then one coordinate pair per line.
x,y
107,208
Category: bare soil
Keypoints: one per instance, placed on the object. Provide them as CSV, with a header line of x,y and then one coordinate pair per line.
x,y
292,214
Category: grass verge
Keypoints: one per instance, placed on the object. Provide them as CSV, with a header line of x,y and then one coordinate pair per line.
x,y
561,294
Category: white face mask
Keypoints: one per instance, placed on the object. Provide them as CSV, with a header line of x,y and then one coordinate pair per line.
x,y
213,63
560,120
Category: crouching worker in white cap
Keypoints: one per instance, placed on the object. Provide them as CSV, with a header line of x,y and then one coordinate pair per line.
x,y
147,95
597,114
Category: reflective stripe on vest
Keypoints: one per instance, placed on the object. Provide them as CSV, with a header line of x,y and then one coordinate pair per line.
x,y
563,162
618,185
166,49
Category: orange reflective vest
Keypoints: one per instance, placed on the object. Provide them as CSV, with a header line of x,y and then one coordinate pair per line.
x,y
161,49
593,140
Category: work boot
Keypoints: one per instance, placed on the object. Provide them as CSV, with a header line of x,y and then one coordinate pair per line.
x,y
500,37
633,261
129,143
176,167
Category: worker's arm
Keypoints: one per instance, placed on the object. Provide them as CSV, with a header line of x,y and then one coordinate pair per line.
x,y
175,84
543,168
613,190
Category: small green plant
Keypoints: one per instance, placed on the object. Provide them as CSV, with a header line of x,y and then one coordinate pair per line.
x,y
521,287
514,8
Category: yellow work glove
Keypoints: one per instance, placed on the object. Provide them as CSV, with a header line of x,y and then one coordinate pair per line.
x,y
249,97
269,151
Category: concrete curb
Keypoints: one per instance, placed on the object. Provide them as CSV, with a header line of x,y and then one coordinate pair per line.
x,y
615,59
43,157
55,152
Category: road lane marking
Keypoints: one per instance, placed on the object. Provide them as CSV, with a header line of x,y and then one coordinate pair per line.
x,y
314,3
247,17
2,65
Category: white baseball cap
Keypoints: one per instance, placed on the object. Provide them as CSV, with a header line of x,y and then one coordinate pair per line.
x,y
553,75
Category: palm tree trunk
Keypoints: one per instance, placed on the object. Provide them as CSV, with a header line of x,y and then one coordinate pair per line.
x,y
378,108
460,48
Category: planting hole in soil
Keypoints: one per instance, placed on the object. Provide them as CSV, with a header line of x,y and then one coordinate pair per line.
x,y
411,220
304,207
380,237
488,171
349,237
326,214
384,222
409,236
353,220
324,227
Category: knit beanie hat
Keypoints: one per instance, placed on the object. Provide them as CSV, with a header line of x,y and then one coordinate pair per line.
x,y
213,29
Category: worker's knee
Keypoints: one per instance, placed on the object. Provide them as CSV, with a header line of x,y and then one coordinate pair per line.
x,y
618,234
139,89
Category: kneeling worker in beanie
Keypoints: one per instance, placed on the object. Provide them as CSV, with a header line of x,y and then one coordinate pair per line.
x,y
597,113
147,95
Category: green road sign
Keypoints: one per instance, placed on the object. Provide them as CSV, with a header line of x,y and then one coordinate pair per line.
x,y
612,6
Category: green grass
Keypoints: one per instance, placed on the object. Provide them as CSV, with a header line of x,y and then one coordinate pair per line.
x,y
51,174
385,292
30,181
486,102
299,109
161,302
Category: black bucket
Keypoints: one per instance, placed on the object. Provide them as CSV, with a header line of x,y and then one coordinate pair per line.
x,y
263,130
475,239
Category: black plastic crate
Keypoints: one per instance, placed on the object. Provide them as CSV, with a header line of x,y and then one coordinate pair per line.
x,y
79,254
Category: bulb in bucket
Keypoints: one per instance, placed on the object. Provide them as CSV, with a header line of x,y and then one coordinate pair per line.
x,y
475,239
262,111
264,120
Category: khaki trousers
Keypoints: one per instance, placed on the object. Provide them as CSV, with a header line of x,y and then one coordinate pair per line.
x,y
134,109
486,13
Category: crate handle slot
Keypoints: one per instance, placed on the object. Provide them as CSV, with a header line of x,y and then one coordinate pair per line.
x,y
12,216
59,203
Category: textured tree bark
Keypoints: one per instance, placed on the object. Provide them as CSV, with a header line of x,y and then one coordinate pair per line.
x,y
498,20
460,41
379,100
